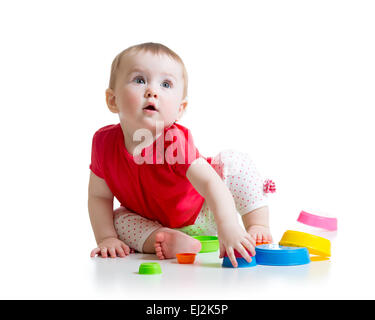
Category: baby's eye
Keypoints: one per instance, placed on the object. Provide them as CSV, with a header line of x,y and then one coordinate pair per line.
x,y
166,84
139,80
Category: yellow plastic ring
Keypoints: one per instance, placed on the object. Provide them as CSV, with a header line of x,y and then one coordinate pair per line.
x,y
316,245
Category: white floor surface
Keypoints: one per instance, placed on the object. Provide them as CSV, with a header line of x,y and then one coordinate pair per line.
x,y
72,274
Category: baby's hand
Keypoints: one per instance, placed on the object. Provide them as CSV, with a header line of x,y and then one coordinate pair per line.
x,y
233,236
111,247
260,234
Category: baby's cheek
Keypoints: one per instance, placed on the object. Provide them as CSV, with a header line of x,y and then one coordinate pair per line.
x,y
134,98
130,99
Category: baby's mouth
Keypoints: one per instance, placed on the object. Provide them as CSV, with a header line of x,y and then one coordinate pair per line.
x,y
150,107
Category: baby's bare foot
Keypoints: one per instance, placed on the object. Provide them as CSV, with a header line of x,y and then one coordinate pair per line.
x,y
169,242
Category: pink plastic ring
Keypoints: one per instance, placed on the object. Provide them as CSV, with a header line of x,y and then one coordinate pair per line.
x,y
318,221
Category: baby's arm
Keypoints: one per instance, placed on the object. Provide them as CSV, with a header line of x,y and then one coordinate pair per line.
x,y
100,204
220,200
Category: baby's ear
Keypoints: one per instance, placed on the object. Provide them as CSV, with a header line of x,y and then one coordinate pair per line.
x,y
111,100
182,108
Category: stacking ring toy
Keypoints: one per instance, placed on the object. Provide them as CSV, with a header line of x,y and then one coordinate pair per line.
x,y
317,221
276,255
185,258
241,262
149,268
209,243
316,245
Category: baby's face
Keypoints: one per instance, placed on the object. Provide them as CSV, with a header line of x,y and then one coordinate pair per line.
x,y
149,88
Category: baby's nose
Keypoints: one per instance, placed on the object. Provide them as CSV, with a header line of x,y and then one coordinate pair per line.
x,y
150,92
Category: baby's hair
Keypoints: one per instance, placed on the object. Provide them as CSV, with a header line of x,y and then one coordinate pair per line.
x,y
154,48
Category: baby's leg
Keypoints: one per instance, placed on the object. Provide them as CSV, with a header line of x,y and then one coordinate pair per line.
x,y
150,237
246,185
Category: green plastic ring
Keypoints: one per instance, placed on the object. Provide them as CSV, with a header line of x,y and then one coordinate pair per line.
x,y
149,268
209,243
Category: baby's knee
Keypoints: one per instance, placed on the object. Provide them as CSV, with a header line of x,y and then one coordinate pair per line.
x,y
120,209
232,163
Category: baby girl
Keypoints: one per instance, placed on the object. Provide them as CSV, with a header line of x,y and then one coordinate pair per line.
x,y
168,191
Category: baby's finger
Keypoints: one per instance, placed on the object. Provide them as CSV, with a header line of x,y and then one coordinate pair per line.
x,y
222,251
266,240
125,248
241,250
249,247
94,252
269,238
120,252
112,252
259,238
103,252
251,240
232,258
254,237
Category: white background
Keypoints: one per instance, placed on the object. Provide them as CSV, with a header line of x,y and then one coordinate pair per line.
x,y
290,82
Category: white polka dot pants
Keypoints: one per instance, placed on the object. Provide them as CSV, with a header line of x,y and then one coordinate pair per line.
x,y
242,179
132,228
240,175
